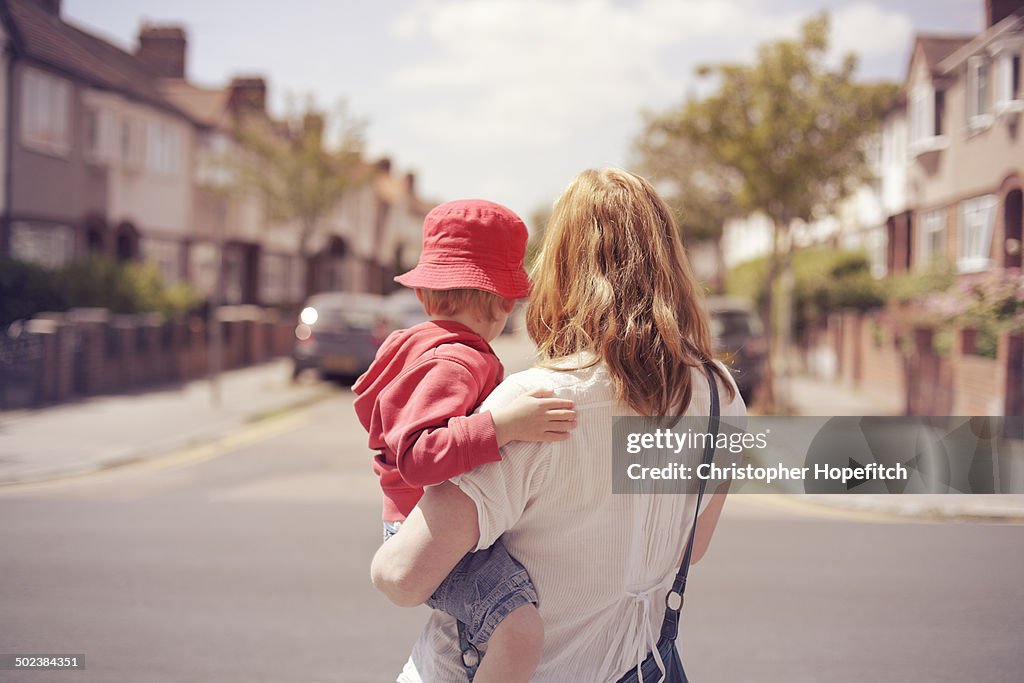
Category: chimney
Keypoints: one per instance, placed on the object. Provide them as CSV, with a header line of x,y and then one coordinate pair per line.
x,y
247,94
162,50
50,6
997,10
410,184
384,166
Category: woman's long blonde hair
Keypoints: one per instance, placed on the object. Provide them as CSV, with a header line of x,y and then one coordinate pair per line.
x,y
611,278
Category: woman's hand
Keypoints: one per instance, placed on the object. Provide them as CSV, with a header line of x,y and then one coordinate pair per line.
x,y
534,416
442,528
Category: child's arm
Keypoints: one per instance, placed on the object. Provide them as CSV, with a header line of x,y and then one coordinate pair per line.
x,y
534,416
425,421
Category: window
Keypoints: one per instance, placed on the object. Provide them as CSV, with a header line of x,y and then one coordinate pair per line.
x,y
133,142
45,112
163,152
977,217
927,113
50,246
214,162
101,133
931,238
1007,81
977,89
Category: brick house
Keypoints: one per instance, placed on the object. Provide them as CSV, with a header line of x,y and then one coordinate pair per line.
x,y
966,150
95,159
951,180
373,231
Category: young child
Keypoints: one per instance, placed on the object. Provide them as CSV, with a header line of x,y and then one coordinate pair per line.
x,y
417,402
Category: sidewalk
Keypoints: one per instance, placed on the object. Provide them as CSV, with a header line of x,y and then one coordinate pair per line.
x,y
807,395
95,433
91,434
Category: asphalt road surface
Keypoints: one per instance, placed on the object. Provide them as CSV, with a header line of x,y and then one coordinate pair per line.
x,y
247,561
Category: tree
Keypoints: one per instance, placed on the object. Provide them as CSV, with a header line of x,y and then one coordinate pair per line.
x,y
300,167
700,191
789,128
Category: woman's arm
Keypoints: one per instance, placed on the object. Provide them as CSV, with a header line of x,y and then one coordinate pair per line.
x,y
442,528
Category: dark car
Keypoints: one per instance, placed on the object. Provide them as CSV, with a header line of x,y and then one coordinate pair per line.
x,y
738,338
337,334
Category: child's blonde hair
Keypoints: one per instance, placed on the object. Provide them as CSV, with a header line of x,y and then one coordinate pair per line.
x,y
478,303
611,278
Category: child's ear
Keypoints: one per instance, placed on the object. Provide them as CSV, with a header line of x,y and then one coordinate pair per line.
x,y
507,305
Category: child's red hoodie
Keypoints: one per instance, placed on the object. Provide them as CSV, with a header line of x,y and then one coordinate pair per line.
x,y
416,402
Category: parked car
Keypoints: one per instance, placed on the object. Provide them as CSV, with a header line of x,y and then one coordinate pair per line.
x,y
337,334
738,338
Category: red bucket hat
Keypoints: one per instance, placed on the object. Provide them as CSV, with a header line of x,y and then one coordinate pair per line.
x,y
472,244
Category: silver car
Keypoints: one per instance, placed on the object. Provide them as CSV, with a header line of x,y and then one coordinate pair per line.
x,y
337,334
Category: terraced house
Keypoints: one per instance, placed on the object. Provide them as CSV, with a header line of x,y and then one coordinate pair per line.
x,y
965,174
116,152
95,158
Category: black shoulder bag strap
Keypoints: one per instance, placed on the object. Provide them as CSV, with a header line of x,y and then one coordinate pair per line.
x,y
674,599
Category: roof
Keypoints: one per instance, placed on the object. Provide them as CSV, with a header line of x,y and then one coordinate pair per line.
x,y
46,38
937,47
1012,24
208,106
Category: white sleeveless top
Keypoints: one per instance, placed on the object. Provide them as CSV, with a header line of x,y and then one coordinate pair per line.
x,y
601,563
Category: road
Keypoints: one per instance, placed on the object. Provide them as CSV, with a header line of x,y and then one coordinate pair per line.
x,y
248,561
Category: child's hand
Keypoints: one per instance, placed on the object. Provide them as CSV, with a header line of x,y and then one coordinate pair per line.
x,y
534,416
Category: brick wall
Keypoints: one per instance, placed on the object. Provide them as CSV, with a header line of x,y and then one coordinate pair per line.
x,y
980,382
934,380
86,352
882,364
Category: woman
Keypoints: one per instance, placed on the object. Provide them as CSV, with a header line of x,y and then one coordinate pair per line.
x,y
619,328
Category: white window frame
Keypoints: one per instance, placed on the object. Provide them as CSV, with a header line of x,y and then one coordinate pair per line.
x,y
45,112
133,142
977,221
979,87
163,148
49,246
932,229
923,137
1008,98
101,135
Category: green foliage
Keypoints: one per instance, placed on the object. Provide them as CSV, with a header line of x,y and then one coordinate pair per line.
x,y
824,280
986,340
906,287
785,131
300,166
27,289
700,191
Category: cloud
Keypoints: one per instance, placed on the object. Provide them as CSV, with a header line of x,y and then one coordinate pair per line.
x,y
531,71
564,80
870,31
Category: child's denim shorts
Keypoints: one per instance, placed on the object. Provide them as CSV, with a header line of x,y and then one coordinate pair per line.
x,y
482,589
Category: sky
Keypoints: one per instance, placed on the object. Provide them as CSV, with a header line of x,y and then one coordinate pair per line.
x,y
506,99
